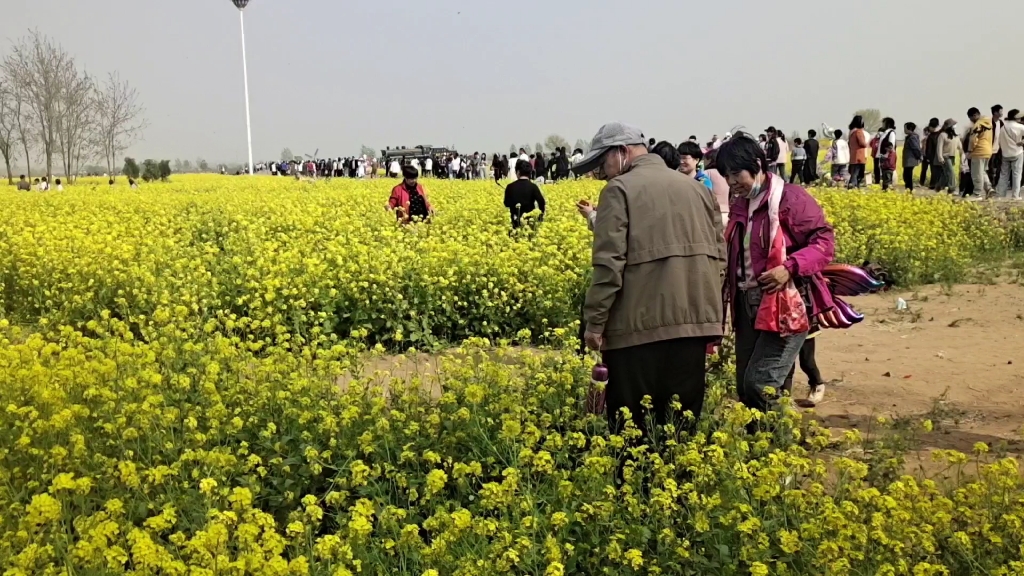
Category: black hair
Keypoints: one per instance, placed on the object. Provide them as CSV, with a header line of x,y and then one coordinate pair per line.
x,y
797,141
690,149
57,181
741,153
997,108
22,176
410,173
812,134
762,137
1014,113
111,181
857,122
692,137
668,153
910,126
523,168
837,134
933,123
711,159
781,135
651,142
888,123
973,111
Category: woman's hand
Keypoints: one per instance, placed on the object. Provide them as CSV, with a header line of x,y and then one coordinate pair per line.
x,y
774,279
585,208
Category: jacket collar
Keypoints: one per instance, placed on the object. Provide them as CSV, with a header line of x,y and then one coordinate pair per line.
x,y
645,160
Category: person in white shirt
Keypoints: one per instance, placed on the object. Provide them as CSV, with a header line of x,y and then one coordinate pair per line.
x,y
454,166
44,185
1011,144
395,169
428,166
57,183
523,155
839,155
783,158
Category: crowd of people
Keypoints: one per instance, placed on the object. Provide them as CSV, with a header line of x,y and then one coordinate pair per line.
x,y
983,159
349,167
989,152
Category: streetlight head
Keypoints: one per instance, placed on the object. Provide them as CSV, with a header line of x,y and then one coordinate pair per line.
x,y
240,4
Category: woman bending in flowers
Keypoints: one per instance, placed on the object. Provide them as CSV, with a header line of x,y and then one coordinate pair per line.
x,y
409,199
778,245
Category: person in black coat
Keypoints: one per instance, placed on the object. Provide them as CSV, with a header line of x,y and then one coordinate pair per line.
x,y
540,167
563,164
912,154
812,147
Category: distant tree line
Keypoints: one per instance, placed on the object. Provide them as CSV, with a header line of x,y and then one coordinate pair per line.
x,y
50,107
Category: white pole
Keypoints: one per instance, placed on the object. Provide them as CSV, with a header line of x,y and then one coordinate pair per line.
x,y
245,74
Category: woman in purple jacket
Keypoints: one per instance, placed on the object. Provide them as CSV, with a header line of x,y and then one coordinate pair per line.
x,y
778,242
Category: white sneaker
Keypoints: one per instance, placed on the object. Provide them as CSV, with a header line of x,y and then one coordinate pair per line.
x,y
816,395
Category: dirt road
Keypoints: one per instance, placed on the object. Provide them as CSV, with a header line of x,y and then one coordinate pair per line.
x,y
966,342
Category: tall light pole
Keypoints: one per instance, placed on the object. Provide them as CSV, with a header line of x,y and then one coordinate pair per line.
x,y
241,4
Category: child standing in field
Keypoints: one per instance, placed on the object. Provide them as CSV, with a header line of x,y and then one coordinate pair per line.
x,y
839,156
799,158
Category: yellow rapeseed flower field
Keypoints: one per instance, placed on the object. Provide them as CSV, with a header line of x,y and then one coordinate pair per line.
x,y
171,364
273,259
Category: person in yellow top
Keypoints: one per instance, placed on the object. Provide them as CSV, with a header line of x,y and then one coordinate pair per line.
x,y
979,150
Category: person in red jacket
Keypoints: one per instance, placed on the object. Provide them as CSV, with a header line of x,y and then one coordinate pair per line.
x,y
409,199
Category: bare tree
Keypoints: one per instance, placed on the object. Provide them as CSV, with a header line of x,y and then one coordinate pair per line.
x,y
872,119
76,118
119,118
21,121
35,64
555,141
8,127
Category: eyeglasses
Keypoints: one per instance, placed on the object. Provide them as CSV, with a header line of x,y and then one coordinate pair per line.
x,y
598,172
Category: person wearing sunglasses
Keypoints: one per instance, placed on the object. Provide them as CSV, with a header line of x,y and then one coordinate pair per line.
x,y
654,299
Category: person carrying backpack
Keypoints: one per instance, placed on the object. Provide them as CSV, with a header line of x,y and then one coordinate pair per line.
x,y
409,199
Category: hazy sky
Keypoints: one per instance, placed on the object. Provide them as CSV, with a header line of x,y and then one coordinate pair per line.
x,y
481,75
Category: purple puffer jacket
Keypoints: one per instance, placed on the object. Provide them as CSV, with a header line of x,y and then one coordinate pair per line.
x,y
810,239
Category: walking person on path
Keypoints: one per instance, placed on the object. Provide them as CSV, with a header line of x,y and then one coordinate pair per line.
x,y
931,138
1011,140
979,151
912,154
858,152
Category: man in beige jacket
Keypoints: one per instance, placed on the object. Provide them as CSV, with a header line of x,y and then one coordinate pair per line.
x,y
655,298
